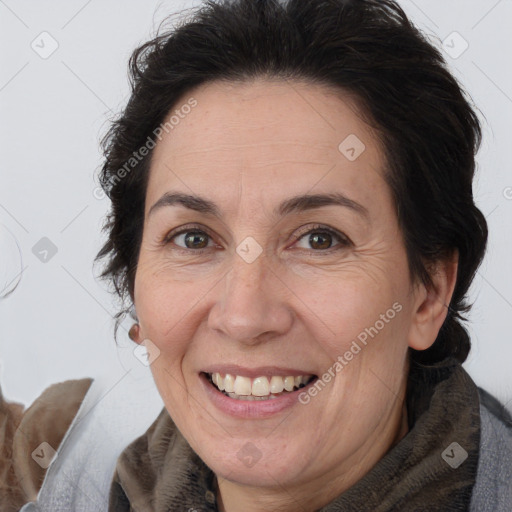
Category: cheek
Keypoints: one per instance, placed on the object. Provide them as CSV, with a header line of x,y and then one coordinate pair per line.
x,y
166,310
163,307
344,306
366,326
171,313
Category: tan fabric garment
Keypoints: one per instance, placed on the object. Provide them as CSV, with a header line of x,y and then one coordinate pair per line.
x,y
23,431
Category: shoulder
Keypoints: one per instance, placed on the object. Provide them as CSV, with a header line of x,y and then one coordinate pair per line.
x,y
493,487
30,437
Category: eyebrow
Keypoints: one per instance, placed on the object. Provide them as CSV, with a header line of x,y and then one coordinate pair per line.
x,y
292,205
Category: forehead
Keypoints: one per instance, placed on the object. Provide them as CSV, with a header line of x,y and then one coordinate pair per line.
x,y
273,138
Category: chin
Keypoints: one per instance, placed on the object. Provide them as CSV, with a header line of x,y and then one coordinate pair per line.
x,y
255,461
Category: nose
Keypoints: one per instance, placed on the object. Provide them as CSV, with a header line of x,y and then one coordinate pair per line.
x,y
251,306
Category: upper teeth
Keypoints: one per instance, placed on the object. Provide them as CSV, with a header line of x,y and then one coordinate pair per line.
x,y
260,386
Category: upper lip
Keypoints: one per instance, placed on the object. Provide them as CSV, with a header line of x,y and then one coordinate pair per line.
x,y
261,371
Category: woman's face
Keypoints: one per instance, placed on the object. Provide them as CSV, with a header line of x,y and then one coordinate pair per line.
x,y
276,259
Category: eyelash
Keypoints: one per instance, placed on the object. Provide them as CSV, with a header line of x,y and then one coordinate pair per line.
x,y
343,240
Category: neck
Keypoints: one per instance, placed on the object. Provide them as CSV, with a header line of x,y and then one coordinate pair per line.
x,y
311,497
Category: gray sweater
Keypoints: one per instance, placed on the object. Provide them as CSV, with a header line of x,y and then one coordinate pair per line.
x,y
493,487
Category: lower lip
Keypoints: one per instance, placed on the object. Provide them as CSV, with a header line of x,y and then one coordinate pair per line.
x,y
251,408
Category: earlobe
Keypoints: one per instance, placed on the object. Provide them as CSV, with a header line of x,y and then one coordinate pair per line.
x,y
134,333
431,306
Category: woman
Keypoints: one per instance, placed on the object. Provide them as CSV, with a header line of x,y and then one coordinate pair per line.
x,y
294,227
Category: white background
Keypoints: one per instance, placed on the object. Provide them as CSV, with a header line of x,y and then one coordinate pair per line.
x,y
58,323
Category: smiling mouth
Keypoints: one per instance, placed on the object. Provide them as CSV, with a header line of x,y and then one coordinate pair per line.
x,y
260,388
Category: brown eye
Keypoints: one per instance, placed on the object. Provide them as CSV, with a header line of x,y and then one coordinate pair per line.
x,y
188,240
322,240
196,240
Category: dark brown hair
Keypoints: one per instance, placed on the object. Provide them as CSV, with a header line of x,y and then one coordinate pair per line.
x,y
367,48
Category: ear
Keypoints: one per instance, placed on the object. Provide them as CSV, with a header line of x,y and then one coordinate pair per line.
x,y
431,305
